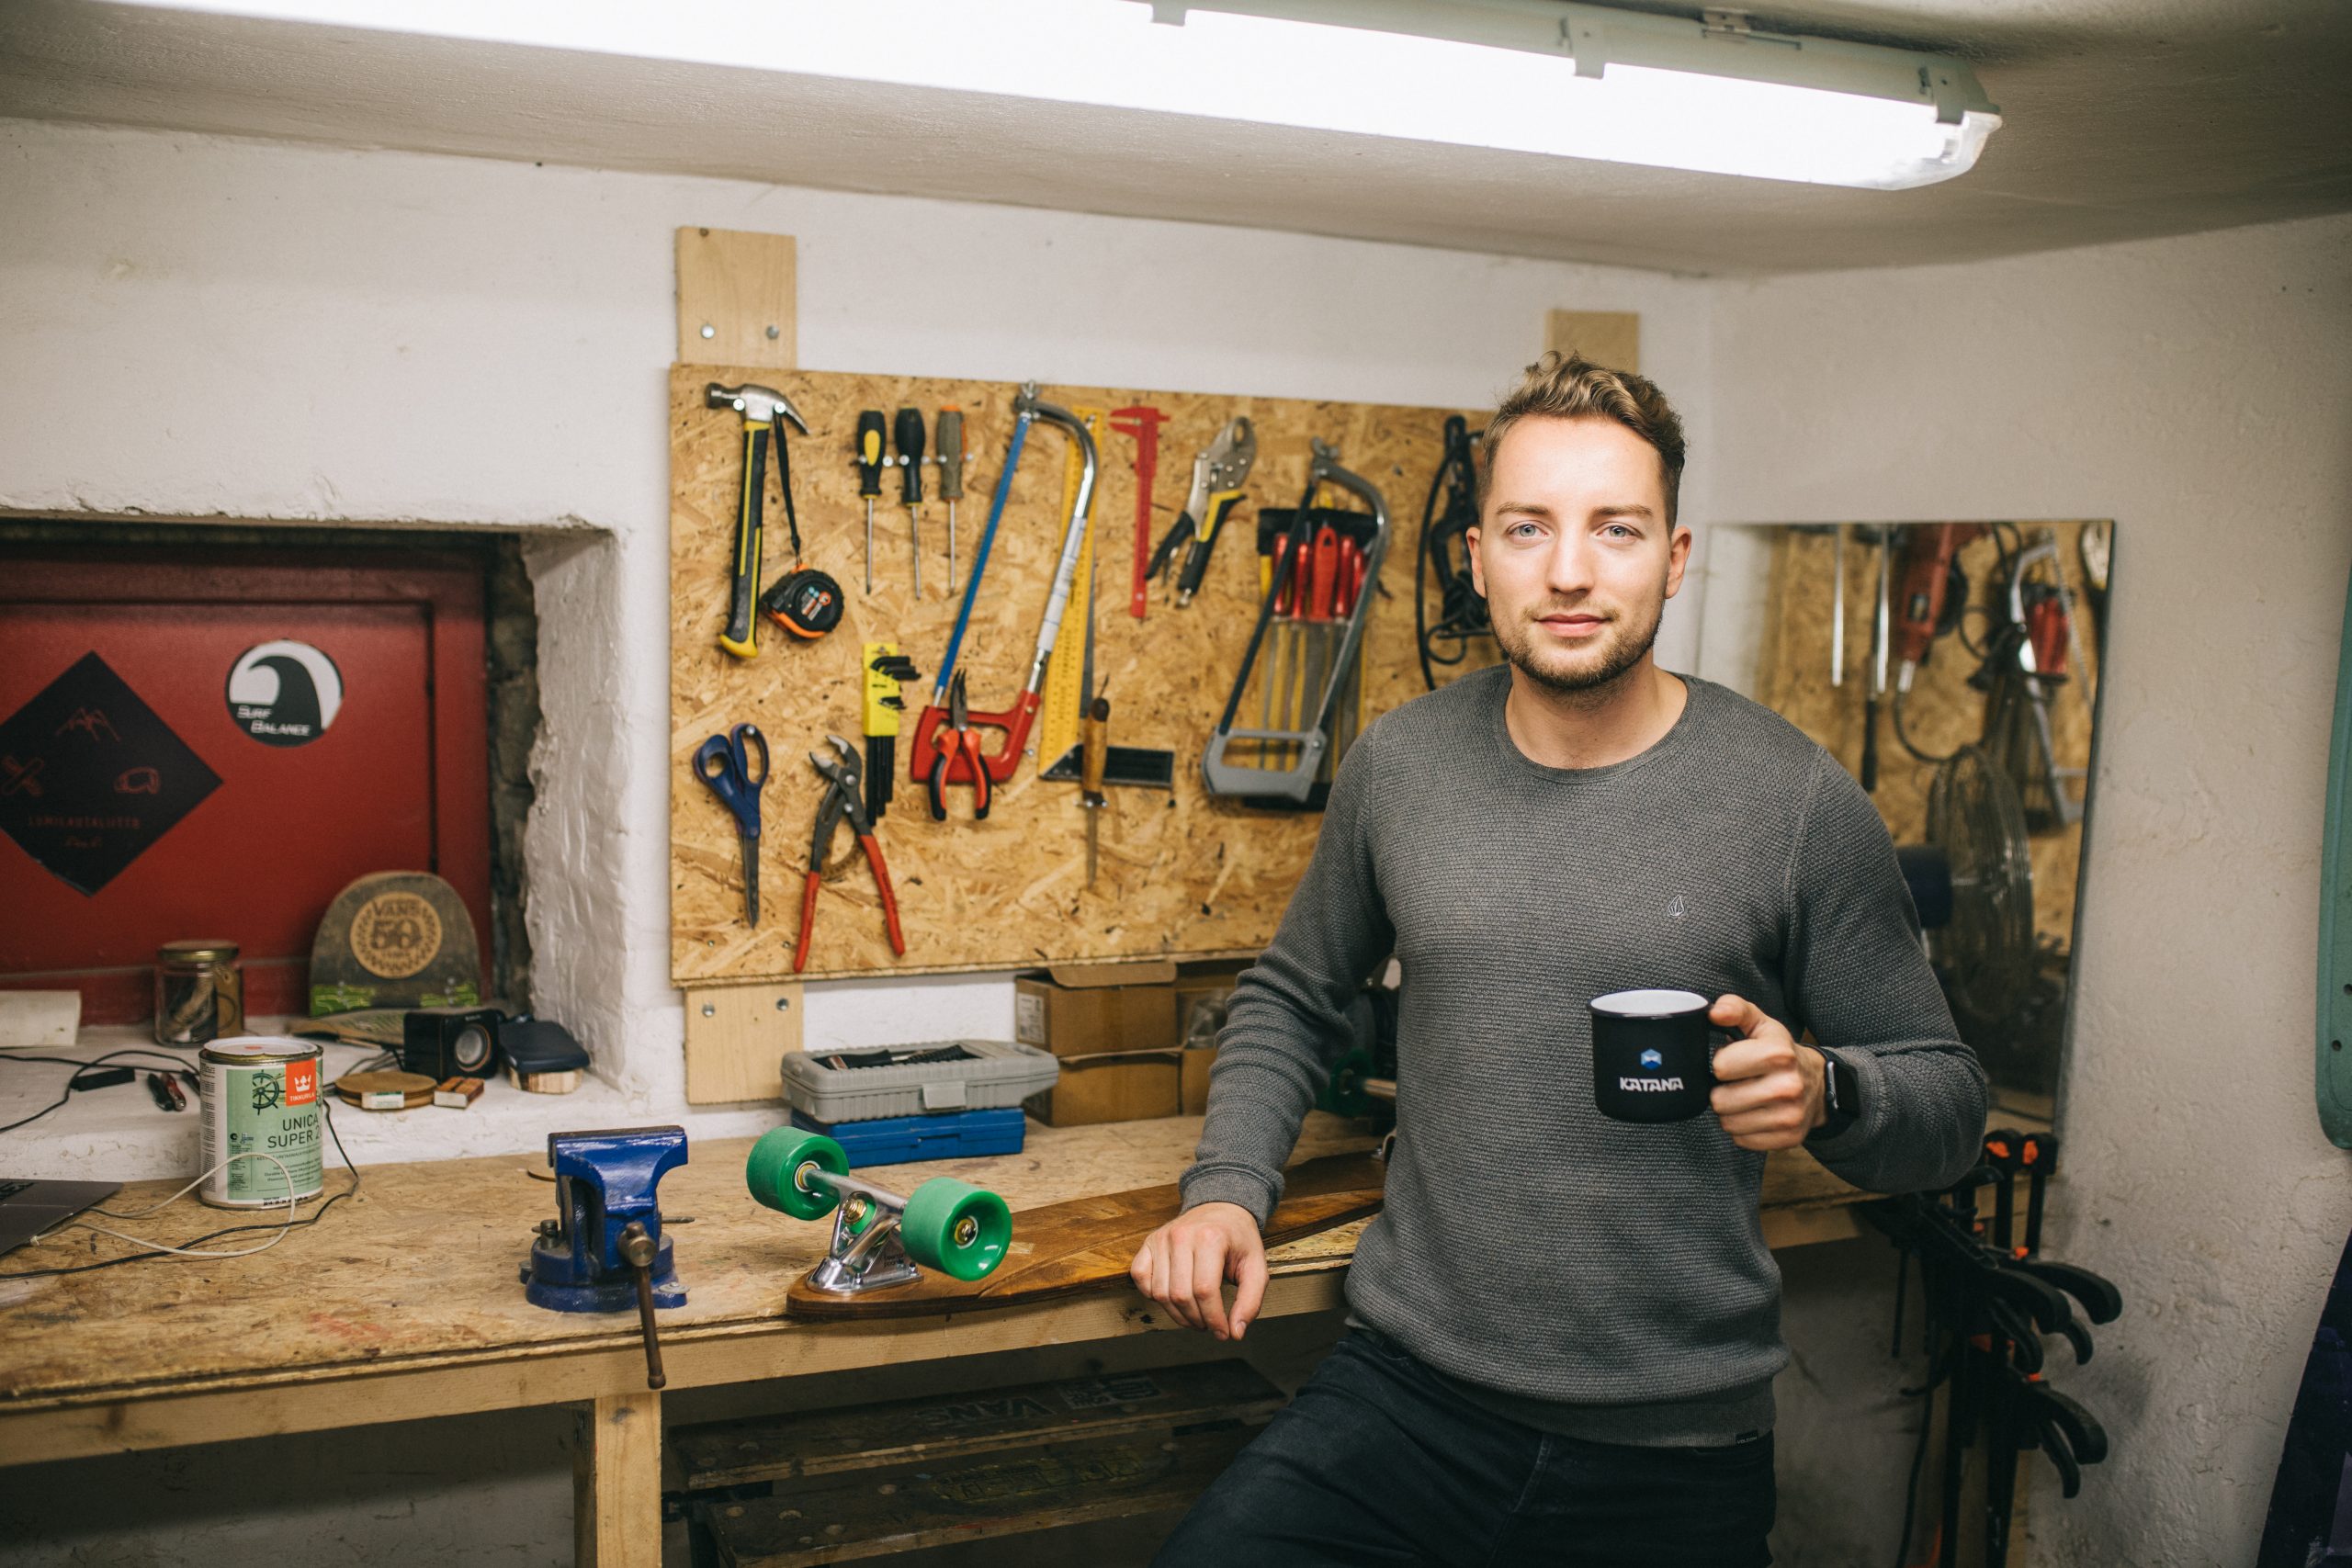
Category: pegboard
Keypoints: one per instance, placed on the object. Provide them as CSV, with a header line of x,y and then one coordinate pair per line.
x,y
1181,875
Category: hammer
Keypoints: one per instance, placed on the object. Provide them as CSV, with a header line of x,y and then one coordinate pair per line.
x,y
762,408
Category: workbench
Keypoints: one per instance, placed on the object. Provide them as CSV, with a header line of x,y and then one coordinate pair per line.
x,y
402,1303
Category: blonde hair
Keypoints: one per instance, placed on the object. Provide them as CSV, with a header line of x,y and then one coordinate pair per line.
x,y
1571,387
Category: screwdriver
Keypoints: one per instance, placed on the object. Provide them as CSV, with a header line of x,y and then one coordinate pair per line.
x,y
950,432
1095,741
869,477
908,434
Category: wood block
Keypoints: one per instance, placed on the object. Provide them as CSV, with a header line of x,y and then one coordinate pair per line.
x,y
737,299
30,1020
736,1038
1610,338
940,1428
846,1517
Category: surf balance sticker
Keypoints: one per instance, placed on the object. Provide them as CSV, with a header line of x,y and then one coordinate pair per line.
x,y
91,776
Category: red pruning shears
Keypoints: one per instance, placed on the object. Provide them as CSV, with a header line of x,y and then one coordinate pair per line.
x,y
843,797
960,761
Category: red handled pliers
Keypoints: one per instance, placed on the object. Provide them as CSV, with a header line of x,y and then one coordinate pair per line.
x,y
960,759
843,797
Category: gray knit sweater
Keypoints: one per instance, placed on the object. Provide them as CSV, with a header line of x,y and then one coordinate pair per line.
x,y
1585,1275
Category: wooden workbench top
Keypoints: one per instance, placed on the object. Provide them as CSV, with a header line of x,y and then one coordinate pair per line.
x,y
419,1270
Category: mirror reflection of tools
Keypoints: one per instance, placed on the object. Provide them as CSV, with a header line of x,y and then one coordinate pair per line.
x,y
723,764
843,797
1218,474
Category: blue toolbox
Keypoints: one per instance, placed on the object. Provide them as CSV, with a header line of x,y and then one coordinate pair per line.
x,y
897,1140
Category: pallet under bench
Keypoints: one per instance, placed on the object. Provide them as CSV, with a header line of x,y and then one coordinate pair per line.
x,y
403,1303
837,1485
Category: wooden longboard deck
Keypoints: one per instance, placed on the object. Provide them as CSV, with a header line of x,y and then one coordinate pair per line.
x,y
1063,1249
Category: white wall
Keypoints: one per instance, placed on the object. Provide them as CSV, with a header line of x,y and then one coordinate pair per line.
x,y
2199,390
306,335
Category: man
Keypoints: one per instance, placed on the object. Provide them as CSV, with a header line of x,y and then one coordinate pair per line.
x,y
1564,1328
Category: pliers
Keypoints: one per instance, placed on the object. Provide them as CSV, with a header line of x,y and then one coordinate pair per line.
x,y
843,797
961,759
1218,474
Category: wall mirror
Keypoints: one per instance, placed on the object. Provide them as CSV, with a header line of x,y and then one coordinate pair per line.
x,y
1954,668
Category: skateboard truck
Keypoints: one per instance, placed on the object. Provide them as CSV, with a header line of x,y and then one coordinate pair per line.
x,y
879,1236
605,1251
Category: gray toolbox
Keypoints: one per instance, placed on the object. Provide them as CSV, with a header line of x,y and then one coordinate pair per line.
x,y
868,1083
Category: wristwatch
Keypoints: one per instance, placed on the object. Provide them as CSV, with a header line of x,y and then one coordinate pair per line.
x,y
1841,1095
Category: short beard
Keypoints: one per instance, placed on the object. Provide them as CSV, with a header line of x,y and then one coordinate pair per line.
x,y
1582,687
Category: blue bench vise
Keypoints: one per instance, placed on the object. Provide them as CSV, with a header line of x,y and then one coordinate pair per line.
x,y
605,1251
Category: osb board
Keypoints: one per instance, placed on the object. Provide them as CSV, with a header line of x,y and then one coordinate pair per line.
x,y
1943,710
1181,875
419,1268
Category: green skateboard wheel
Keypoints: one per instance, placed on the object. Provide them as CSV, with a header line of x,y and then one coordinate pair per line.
x,y
957,1228
1343,1092
773,1172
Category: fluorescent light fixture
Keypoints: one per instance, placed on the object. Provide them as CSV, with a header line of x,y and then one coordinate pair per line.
x,y
1574,81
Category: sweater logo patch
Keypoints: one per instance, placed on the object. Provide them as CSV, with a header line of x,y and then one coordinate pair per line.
x,y
1676,909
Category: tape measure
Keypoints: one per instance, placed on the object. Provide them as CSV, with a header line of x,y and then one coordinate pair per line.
x,y
806,603
1065,671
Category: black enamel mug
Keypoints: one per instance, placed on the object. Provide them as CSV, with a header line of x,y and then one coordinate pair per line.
x,y
1652,1054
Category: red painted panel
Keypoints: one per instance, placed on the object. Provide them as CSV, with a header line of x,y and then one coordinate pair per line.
x,y
399,781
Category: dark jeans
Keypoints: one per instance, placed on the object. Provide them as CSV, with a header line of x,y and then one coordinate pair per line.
x,y
1377,1462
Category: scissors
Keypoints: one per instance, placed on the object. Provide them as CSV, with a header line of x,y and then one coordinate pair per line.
x,y
724,764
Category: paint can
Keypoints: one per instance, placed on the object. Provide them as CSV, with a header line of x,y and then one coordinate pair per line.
x,y
261,1097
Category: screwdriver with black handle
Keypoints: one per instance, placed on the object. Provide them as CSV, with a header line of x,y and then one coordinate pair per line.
x,y
908,435
950,431
869,477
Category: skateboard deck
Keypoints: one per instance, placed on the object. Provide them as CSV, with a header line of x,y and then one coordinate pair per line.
x,y
1065,1250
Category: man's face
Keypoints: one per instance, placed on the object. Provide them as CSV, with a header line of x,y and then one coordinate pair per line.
x,y
1573,550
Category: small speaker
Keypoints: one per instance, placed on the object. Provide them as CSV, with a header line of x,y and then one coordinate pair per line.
x,y
450,1042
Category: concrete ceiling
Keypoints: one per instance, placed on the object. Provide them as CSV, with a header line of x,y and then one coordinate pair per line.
x,y
2125,118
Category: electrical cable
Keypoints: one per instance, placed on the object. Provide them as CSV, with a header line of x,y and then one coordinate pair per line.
x,y
311,1219
176,1064
1462,612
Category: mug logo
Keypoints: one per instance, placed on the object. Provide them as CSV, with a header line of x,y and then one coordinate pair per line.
x,y
1652,1060
1650,1086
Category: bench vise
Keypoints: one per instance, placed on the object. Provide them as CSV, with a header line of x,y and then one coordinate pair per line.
x,y
604,1250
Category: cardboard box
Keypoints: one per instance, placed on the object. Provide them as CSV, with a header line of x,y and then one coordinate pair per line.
x,y
1113,1085
1081,1009
1117,1029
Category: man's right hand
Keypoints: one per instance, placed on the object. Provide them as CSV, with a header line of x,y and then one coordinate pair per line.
x,y
1183,1266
